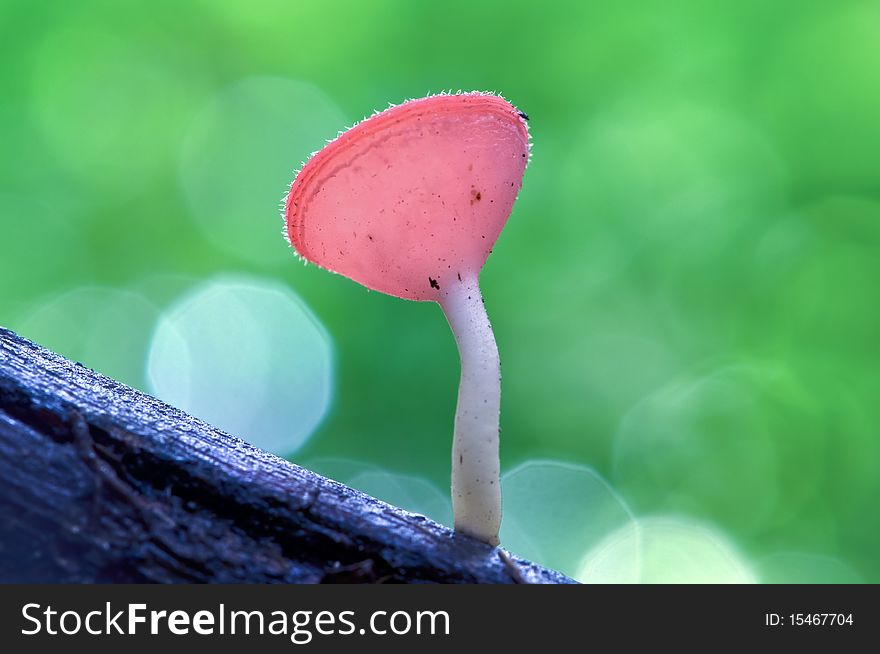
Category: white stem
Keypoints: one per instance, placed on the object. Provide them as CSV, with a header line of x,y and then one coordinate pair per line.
x,y
476,468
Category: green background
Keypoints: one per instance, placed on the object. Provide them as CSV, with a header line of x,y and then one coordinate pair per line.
x,y
685,297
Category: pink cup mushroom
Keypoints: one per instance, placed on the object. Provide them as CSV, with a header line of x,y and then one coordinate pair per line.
x,y
410,202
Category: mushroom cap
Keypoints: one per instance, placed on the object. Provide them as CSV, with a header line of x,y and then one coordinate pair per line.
x,y
413,197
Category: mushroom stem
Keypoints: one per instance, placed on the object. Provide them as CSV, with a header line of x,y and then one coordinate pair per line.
x,y
476,484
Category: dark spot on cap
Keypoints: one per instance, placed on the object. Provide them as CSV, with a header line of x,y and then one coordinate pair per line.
x,y
433,283
523,115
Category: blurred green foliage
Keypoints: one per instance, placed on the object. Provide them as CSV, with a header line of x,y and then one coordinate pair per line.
x,y
685,297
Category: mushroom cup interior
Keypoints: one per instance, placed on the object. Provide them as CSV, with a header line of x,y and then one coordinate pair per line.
x,y
413,197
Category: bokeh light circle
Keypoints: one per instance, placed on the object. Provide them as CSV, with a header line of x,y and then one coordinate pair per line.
x,y
247,356
653,180
665,550
105,329
555,511
108,106
716,441
239,157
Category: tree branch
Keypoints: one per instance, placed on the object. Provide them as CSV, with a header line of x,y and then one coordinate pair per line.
x,y
102,483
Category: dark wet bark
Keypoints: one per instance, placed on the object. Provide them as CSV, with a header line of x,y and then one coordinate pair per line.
x,y
102,483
